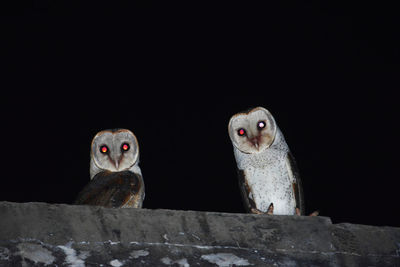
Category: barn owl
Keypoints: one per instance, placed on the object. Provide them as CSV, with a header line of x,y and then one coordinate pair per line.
x,y
115,177
268,176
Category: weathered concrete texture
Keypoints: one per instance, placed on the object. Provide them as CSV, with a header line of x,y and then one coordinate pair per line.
x,y
65,235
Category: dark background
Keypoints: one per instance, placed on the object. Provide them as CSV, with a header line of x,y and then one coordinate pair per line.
x,y
174,74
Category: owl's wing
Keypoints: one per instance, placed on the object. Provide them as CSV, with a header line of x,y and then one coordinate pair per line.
x,y
249,203
296,182
113,190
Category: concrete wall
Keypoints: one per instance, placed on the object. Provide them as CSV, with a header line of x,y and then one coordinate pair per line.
x,y
66,235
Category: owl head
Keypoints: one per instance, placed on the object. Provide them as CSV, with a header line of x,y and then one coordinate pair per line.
x,y
252,131
113,150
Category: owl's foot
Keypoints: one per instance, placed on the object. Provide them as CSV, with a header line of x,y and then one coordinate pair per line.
x,y
256,211
270,210
298,211
315,213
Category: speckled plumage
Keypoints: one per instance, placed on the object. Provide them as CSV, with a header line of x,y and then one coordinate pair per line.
x,y
269,175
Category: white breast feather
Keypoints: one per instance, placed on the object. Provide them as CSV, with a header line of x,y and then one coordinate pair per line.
x,y
268,177
94,169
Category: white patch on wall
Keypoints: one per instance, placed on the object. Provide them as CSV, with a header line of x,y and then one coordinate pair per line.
x,y
71,258
166,261
116,263
182,262
139,253
35,253
4,253
165,236
225,259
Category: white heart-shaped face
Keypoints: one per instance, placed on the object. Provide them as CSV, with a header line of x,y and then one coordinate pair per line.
x,y
115,150
252,132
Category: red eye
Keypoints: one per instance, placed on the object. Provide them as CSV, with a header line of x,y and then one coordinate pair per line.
x,y
241,132
125,147
261,125
104,149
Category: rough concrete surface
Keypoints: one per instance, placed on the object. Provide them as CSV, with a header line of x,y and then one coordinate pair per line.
x,y
43,234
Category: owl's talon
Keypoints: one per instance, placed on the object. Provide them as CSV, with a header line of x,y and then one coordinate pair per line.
x,y
270,210
298,211
256,211
315,213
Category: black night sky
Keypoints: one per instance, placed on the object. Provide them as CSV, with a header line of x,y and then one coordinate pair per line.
x,y
175,73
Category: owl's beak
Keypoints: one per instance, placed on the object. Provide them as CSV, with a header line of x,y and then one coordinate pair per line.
x,y
255,144
116,163
255,141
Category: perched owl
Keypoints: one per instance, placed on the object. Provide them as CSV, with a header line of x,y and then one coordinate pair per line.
x,y
116,179
268,176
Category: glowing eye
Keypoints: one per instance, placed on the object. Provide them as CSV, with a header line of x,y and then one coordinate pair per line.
x,y
241,132
125,147
261,125
104,149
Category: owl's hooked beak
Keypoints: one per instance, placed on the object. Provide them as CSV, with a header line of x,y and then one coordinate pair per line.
x,y
116,163
255,141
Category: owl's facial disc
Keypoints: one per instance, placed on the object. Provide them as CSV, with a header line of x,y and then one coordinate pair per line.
x,y
252,132
115,151
116,158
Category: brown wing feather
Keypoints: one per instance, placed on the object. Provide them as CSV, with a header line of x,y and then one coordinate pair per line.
x,y
249,203
113,190
297,186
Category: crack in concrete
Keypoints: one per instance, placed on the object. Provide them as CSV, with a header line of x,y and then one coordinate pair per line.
x,y
190,245
330,253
